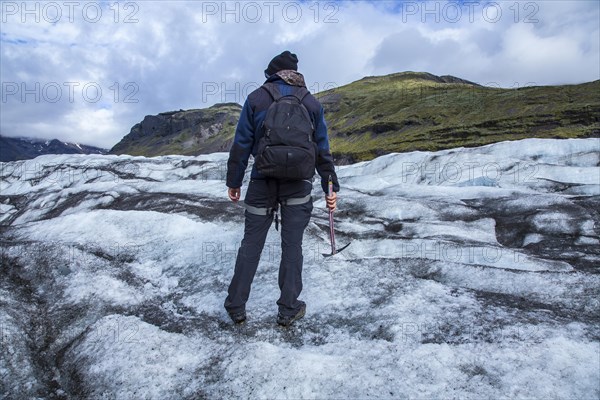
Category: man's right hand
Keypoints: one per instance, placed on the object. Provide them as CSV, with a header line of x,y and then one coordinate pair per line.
x,y
234,194
331,201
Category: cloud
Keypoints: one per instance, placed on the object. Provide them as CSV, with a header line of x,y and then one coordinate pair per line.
x,y
150,57
519,44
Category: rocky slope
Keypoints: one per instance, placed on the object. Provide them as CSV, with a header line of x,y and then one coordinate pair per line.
x,y
188,132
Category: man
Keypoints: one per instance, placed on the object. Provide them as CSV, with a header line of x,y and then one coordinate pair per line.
x,y
264,195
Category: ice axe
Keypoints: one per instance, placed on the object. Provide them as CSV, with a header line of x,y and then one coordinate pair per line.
x,y
331,233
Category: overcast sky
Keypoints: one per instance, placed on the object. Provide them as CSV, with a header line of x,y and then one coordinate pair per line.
x,y
87,71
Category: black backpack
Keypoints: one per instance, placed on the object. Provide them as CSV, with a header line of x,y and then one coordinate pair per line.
x,y
287,149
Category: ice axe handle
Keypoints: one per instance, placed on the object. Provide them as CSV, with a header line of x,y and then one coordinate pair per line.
x,y
331,234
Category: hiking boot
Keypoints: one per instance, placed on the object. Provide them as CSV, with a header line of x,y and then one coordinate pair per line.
x,y
237,317
286,320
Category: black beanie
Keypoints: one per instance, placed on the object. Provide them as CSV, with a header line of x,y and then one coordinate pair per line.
x,y
285,60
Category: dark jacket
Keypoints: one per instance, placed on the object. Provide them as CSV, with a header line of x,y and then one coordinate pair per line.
x,y
249,131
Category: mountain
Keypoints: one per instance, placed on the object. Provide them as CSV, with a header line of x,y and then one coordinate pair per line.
x,y
395,113
418,111
473,273
15,148
189,132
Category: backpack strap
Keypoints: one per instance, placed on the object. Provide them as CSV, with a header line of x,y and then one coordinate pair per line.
x,y
301,93
273,91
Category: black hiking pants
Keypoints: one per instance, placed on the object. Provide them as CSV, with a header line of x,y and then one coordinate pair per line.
x,y
266,194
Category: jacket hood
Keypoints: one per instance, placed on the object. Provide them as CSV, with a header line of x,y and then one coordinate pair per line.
x,y
291,77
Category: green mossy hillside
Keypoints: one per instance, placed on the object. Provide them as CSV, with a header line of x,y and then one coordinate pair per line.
x,y
400,112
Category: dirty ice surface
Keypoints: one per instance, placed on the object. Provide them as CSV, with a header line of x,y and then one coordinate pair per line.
x,y
473,273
